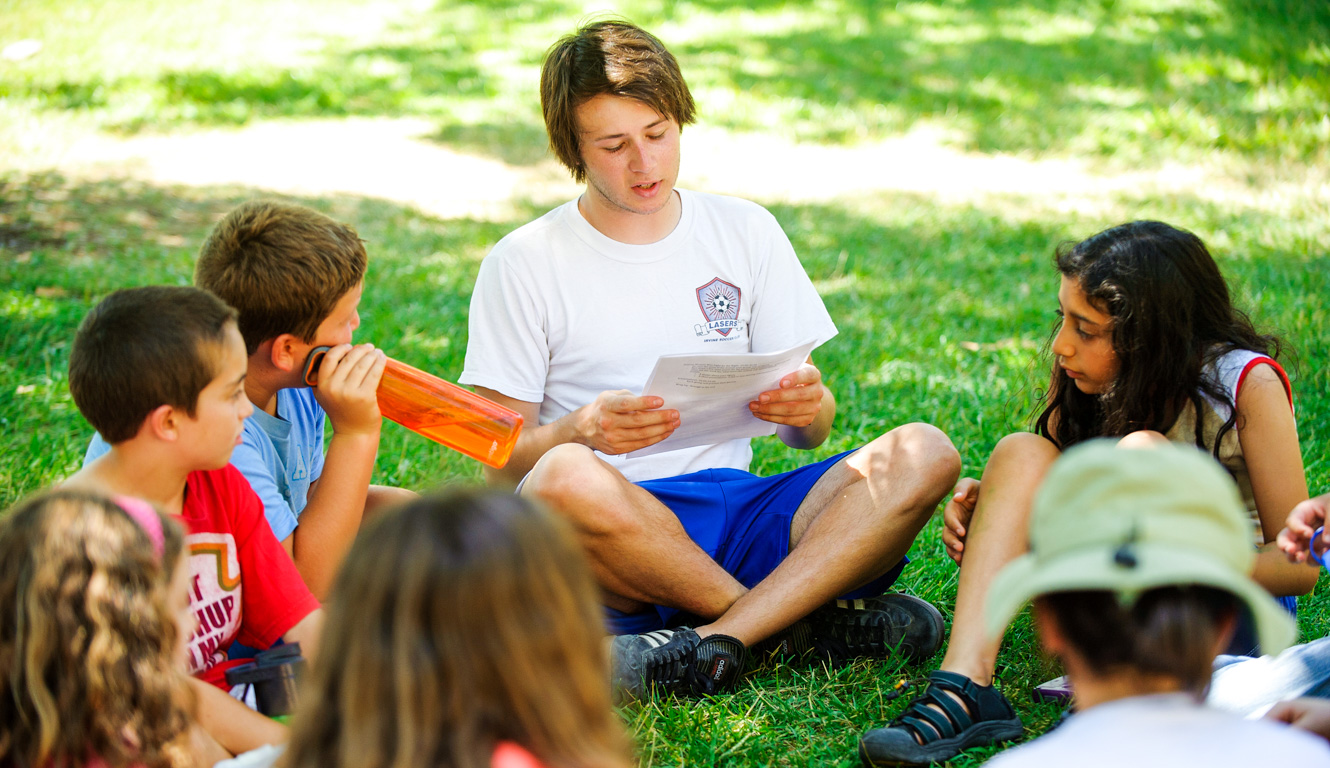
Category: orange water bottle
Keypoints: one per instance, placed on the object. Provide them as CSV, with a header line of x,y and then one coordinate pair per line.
x,y
440,410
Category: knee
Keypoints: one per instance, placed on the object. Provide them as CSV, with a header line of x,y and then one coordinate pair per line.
x,y
1144,438
934,452
926,455
564,477
1024,449
573,482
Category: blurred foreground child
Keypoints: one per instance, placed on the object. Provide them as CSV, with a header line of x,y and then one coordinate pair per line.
x,y
463,632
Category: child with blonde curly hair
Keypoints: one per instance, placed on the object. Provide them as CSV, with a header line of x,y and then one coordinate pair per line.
x,y
94,616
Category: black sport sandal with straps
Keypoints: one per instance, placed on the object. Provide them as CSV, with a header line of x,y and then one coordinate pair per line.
x,y
936,727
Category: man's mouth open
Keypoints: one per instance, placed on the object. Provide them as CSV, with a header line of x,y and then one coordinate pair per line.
x,y
648,189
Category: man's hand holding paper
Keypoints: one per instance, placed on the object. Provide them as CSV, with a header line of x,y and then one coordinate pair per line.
x,y
722,397
619,422
796,402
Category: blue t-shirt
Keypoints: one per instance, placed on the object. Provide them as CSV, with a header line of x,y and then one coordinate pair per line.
x,y
279,455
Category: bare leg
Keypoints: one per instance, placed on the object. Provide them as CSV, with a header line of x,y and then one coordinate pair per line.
x,y
857,521
639,551
1143,438
997,535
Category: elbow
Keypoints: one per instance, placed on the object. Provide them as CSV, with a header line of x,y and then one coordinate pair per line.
x,y
802,438
1306,581
317,578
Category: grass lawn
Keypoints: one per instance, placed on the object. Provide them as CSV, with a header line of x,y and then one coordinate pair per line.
x,y
944,305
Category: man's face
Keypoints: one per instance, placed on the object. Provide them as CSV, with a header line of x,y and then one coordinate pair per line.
x,y
631,154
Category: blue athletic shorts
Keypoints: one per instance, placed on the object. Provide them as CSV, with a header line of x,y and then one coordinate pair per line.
x,y
743,522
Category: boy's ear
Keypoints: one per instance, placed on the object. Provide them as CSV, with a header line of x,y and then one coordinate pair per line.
x,y
163,423
287,352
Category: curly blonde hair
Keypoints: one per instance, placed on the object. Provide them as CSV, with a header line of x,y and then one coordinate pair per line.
x,y
86,637
456,623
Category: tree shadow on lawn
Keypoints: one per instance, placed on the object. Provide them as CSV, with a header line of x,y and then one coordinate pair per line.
x,y
1247,78
871,68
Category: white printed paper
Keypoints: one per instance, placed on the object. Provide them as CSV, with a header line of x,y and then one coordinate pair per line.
x,y
711,393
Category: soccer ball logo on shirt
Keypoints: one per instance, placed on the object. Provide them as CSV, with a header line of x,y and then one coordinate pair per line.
x,y
719,301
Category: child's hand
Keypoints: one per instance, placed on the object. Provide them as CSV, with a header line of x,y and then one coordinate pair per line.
x,y
1306,713
348,383
956,517
1296,539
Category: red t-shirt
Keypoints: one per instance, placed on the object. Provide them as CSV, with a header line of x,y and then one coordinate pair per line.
x,y
244,586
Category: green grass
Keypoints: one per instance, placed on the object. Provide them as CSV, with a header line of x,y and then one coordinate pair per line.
x,y
943,307
1122,81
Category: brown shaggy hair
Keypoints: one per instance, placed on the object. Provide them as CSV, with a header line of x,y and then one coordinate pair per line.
x,y
87,638
141,348
283,266
1170,631
607,57
458,622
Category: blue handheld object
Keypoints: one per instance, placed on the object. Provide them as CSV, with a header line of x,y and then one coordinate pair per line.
x,y
1320,559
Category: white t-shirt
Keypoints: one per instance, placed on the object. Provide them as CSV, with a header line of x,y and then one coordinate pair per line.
x,y
561,312
1166,730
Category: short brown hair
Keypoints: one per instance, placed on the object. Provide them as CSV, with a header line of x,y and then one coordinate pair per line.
x,y
141,348
282,266
1169,631
607,57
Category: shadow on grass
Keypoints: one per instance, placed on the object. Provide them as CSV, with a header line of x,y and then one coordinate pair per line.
x,y
1027,76
514,143
1034,76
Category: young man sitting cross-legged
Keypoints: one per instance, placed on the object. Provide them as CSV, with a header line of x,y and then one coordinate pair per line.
x,y
571,311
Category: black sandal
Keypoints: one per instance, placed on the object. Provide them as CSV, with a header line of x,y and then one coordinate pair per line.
x,y
935,727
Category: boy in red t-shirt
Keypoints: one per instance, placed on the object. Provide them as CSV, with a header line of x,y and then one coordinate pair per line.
x,y
160,373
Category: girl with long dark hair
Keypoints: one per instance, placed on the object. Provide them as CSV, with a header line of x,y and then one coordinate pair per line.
x,y
1149,348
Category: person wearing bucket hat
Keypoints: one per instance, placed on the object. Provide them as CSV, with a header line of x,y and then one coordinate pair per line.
x,y
1138,566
